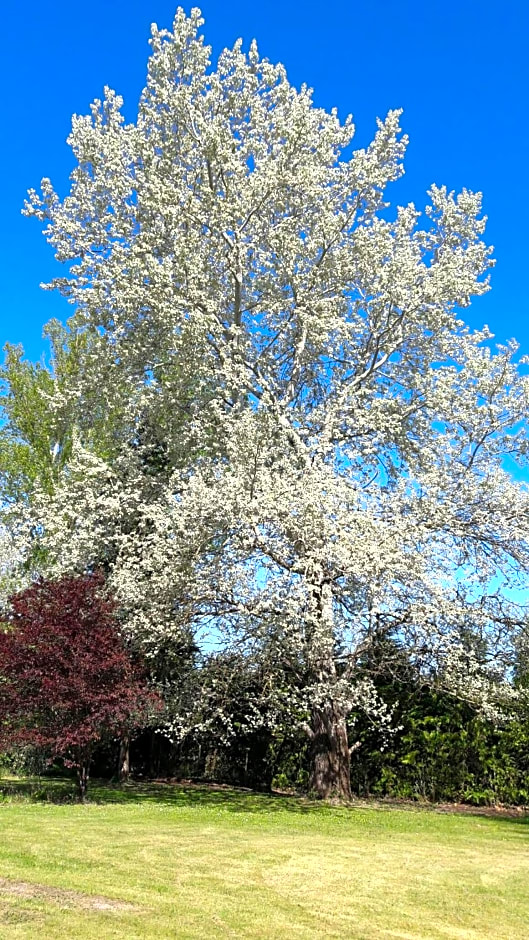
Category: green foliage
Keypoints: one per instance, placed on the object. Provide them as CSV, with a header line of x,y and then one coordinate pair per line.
x,y
443,751
32,440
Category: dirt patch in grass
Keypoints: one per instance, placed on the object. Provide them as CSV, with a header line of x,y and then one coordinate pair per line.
x,y
498,810
506,812
64,897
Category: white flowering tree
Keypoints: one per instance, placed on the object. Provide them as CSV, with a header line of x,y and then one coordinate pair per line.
x,y
326,438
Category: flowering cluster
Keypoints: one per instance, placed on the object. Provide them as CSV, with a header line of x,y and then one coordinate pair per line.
x,y
284,436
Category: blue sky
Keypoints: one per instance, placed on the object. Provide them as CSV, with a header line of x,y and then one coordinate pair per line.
x,y
457,69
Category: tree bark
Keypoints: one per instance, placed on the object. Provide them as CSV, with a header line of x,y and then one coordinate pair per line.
x,y
82,780
210,769
331,758
124,759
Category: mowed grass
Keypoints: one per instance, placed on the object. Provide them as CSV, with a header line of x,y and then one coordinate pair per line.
x,y
163,861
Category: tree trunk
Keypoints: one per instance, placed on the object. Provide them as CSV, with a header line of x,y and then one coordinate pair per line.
x,y
210,769
331,758
82,780
124,759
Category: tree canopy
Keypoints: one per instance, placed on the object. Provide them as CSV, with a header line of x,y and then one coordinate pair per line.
x,y
67,681
284,437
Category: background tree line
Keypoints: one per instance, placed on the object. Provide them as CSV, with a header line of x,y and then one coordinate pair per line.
x,y
73,696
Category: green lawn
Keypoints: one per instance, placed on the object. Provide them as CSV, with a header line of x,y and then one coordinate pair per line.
x,y
191,862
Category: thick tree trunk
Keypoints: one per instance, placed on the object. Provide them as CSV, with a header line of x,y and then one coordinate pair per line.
x,y
331,758
124,759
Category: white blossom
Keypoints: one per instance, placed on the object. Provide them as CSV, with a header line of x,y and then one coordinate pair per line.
x,y
334,434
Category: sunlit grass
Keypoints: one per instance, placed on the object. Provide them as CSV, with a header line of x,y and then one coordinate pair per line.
x,y
191,862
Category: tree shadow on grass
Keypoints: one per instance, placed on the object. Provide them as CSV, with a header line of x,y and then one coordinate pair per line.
x,y
171,793
37,790
186,794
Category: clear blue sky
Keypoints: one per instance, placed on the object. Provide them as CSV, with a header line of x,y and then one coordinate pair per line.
x,y
456,67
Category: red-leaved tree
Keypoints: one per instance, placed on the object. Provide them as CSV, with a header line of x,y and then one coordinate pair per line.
x,y
67,680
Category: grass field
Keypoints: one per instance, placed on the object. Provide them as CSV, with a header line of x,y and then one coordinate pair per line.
x,y
160,861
